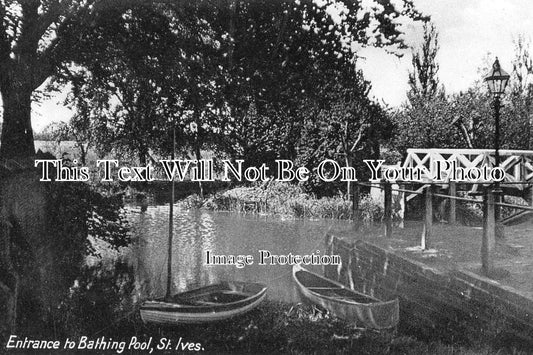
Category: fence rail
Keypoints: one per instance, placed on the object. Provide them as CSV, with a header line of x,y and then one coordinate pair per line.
x,y
516,164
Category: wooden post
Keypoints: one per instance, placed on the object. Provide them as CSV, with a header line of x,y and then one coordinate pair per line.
x,y
402,202
453,193
428,220
387,187
355,206
328,251
489,232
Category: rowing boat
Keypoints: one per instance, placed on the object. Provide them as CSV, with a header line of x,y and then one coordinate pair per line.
x,y
363,310
205,304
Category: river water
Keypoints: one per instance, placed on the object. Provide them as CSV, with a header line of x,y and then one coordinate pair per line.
x,y
222,233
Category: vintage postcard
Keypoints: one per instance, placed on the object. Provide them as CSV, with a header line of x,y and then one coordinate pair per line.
x,y
266,177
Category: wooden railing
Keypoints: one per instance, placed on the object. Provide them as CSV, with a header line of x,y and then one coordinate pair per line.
x,y
517,164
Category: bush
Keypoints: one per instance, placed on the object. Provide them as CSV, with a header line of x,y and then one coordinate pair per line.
x,y
278,198
371,210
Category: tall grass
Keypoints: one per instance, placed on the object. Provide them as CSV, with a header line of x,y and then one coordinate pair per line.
x,y
280,328
278,198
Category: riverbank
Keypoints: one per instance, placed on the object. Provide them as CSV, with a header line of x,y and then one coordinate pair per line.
x,y
97,308
281,328
272,330
289,200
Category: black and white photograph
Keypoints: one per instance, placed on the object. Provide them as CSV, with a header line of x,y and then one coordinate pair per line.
x,y
266,177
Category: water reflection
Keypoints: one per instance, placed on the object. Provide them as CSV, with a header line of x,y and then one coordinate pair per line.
x,y
196,231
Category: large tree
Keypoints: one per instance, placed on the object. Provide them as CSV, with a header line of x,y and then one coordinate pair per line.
x,y
122,85
522,85
267,34
32,48
27,59
281,55
423,79
465,119
345,125
428,118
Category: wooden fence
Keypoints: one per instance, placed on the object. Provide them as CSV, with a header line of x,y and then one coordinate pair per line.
x,y
517,164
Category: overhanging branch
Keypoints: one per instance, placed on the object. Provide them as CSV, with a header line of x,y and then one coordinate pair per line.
x,y
5,47
359,137
46,63
55,11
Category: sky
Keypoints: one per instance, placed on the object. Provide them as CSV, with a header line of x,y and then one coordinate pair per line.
x,y
468,31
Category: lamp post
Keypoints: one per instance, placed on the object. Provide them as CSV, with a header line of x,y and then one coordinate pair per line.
x,y
497,81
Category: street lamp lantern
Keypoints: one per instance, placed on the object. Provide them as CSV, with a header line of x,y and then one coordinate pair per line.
x,y
497,79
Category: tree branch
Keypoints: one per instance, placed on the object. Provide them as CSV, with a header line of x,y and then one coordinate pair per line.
x,y
55,10
359,137
26,46
5,46
46,63
281,33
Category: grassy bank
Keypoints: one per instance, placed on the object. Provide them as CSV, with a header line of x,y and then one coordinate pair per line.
x,y
277,198
278,328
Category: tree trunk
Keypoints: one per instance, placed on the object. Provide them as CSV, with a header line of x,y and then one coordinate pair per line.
x,y
17,135
530,124
9,295
197,144
9,282
199,157
348,162
142,156
83,154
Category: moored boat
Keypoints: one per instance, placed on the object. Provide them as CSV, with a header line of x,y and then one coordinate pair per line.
x,y
205,304
363,310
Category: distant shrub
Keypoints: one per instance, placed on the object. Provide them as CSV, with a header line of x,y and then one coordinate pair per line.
x,y
371,211
280,198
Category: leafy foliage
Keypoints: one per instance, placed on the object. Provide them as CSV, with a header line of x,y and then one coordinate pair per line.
x,y
522,89
30,52
81,211
343,125
426,124
100,296
285,199
283,58
122,91
433,119
464,120
232,77
78,219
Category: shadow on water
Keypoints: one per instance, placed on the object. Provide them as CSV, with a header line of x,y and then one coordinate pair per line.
x,y
220,233
111,287
103,302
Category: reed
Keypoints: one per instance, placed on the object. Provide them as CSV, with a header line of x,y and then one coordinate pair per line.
x,y
277,198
